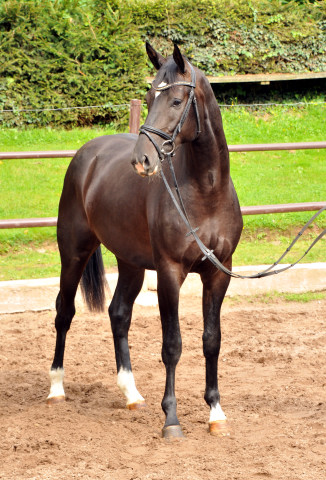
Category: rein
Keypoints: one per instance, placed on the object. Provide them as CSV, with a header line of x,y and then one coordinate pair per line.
x,y
178,202
209,254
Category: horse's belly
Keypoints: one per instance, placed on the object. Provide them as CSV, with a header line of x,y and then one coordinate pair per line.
x,y
126,242
117,215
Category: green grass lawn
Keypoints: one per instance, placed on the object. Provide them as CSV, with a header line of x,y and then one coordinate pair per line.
x,y
32,188
263,178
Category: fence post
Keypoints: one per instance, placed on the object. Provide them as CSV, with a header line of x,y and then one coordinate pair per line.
x,y
134,118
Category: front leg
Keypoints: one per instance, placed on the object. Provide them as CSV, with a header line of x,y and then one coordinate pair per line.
x,y
169,281
215,284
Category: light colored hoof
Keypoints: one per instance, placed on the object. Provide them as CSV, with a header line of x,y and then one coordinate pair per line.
x,y
137,405
219,428
172,432
54,400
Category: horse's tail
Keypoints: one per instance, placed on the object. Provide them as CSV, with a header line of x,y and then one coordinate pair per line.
x,y
93,282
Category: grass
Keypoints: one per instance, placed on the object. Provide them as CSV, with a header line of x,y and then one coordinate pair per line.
x,y
272,297
266,249
263,178
37,260
13,139
41,180
303,297
32,188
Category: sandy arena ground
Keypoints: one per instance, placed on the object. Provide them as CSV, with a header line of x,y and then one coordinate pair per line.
x,y
272,383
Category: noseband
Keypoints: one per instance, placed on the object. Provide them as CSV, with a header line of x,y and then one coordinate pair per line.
x,y
168,146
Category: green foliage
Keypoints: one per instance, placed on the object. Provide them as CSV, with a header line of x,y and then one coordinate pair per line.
x,y
238,37
58,54
61,54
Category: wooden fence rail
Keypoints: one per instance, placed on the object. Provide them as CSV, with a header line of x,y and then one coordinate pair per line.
x,y
254,147
134,122
253,210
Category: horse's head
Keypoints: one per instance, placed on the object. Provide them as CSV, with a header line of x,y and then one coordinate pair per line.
x,y
173,116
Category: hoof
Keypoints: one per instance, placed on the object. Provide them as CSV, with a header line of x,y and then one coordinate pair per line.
x,y
137,405
219,428
53,400
172,432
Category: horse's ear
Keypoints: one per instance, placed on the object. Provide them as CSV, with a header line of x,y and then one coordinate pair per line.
x,y
156,58
178,58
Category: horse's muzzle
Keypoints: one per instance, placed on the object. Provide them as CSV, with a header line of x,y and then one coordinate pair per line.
x,y
143,166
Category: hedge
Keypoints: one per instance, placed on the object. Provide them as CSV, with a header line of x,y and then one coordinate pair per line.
x,y
76,53
60,54
225,37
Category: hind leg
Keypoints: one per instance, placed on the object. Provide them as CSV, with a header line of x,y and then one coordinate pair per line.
x,y
74,257
129,285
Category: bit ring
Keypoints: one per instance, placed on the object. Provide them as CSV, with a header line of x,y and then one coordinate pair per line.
x,y
168,142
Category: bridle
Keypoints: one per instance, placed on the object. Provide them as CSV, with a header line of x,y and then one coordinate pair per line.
x,y
178,202
170,139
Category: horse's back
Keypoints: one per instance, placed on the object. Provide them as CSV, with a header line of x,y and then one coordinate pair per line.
x,y
92,163
96,158
107,147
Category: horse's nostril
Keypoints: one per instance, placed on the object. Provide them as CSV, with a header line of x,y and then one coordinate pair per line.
x,y
145,161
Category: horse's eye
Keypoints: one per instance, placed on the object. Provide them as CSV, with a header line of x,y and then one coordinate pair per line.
x,y
176,102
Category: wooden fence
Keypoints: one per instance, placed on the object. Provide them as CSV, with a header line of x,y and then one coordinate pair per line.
x,y
134,122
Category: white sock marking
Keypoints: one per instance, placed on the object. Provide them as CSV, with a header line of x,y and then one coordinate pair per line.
x,y
126,383
56,378
216,413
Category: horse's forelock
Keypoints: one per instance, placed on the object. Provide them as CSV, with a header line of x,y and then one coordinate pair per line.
x,y
168,73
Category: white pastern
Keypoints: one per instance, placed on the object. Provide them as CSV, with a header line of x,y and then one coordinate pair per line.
x,y
162,84
126,383
216,413
56,378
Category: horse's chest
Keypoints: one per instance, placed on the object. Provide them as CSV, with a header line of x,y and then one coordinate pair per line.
x,y
172,235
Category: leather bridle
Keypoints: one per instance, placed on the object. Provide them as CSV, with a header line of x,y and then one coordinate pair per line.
x,y
145,129
178,202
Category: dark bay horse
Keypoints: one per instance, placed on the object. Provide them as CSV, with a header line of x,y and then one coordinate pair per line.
x,y
104,201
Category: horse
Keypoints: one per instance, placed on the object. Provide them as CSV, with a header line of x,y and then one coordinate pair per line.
x,y
113,194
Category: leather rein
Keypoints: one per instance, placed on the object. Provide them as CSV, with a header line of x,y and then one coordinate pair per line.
x,y
167,151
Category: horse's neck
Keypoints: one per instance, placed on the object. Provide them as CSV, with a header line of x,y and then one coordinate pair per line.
x,y
209,154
